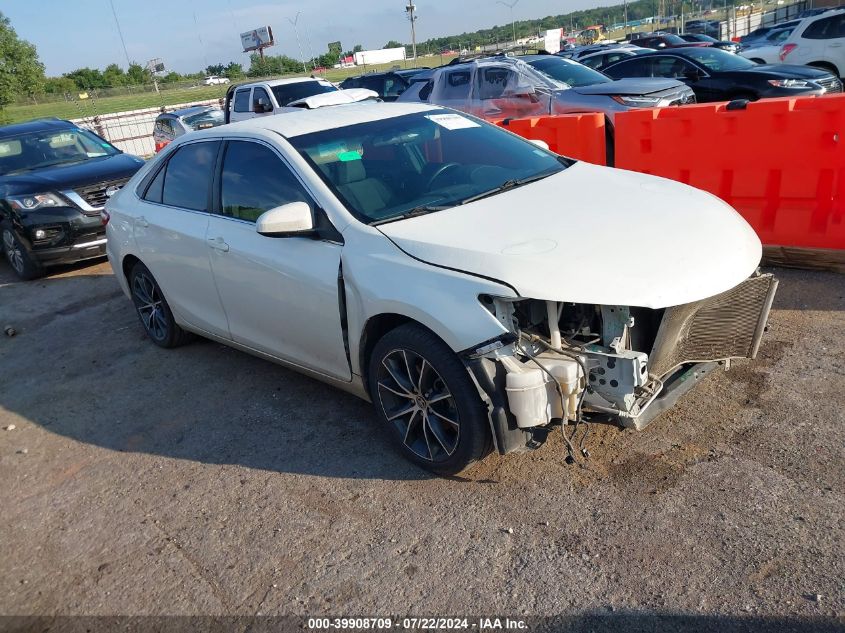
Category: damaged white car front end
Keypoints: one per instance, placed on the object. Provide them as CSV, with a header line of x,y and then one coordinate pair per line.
x,y
613,318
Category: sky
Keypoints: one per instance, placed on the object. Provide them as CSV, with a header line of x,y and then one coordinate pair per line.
x,y
188,35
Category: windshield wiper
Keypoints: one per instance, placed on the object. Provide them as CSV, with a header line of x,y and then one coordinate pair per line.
x,y
505,186
412,213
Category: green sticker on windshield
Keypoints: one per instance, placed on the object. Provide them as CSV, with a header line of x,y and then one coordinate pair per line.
x,y
345,157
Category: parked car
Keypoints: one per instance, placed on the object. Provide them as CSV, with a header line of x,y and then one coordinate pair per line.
x,y
659,42
758,35
508,87
707,27
54,180
818,41
171,125
423,259
725,45
279,96
600,60
388,85
214,80
715,75
767,50
580,52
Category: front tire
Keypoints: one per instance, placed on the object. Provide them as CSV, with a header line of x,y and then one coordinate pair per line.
x,y
22,261
423,395
153,310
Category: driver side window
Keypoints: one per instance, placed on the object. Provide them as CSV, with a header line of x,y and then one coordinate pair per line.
x,y
254,180
494,81
260,98
671,67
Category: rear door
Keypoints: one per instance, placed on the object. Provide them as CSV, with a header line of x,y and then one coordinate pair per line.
x,y
280,294
241,104
170,233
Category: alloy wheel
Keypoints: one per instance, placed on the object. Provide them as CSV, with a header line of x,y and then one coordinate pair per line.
x,y
148,302
13,251
417,402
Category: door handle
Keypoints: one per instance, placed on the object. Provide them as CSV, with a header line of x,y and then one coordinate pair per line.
x,y
142,221
218,244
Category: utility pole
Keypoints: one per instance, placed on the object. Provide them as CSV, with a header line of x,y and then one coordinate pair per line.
x,y
510,5
410,9
298,43
625,28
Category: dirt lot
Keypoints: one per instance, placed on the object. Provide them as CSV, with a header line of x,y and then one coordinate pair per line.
x,y
205,481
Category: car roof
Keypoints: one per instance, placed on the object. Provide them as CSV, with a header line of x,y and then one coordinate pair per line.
x,y
306,121
38,125
187,111
279,82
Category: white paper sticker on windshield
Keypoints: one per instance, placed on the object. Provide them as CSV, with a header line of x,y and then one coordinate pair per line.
x,y
451,121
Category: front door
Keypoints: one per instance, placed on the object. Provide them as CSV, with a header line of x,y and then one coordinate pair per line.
x,y
280,294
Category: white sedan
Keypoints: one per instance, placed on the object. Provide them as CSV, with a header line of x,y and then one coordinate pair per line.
x,y
214,80
463,279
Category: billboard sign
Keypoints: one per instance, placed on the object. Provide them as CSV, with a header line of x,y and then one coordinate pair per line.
x,y
257,39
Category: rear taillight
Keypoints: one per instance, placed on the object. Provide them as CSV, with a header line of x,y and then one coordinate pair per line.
x,y
786,49
105,217
160,145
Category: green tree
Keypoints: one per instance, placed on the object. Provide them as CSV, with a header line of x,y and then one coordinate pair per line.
x,y
21,72
113,76
393,44
87,78
215,69
171,77
137,75
59,86
233,70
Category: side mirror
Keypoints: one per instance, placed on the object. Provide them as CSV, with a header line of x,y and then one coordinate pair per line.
x,y
539,143
261,106
289,220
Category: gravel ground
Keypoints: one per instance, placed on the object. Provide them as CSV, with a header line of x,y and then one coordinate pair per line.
x,y
141,481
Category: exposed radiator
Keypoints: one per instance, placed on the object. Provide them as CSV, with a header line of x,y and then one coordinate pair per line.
x,y
728,325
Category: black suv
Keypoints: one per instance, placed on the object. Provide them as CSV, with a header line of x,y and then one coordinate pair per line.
x,y
389,85
55,179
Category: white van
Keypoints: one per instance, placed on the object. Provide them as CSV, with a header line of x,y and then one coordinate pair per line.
x,y
277,96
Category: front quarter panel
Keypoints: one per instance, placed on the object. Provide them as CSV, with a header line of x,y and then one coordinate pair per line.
x,y
379,278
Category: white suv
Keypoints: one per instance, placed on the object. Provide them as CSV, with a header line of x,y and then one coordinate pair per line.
x,y
818,41
214,80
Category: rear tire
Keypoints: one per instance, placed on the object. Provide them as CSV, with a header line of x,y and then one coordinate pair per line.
x,y
425,399
20,258
153,310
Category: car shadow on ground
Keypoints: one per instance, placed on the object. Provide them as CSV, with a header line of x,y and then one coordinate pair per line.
x,y
81,367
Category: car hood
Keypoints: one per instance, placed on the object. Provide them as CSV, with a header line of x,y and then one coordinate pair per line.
x,y
633,86
593,235
70,176
787,71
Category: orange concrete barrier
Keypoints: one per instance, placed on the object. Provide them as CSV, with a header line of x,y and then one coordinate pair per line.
x,y
779,162
580,136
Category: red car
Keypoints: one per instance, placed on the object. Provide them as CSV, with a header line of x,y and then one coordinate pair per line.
x,y
661,42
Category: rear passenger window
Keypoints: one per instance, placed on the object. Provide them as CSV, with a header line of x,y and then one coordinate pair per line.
x,y
242,100
255,180
189,174
826,29
154,190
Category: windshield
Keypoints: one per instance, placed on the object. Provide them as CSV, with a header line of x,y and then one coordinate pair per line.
x,y
288,93
718,60
48,148
421,163
205,120
569,72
